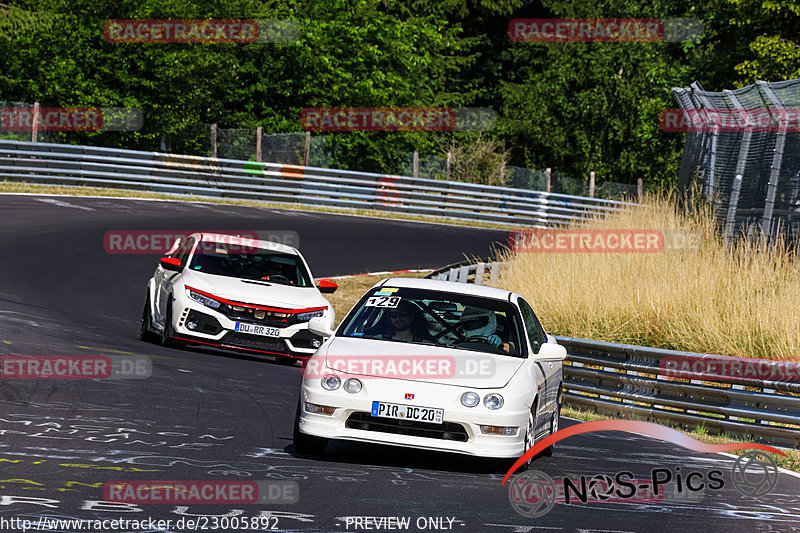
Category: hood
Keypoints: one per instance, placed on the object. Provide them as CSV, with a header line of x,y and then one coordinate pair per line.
x,y
420,362
259,293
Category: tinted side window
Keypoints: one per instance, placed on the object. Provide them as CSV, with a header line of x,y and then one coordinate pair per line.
x,y
185,250
533,328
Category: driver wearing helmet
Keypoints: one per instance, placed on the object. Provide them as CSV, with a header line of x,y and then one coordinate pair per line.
x,y
481,323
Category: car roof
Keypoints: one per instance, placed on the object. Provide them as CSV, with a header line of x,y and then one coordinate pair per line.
x,y
226,237
449,286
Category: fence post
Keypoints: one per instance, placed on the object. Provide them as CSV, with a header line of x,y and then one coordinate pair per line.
x,y
35,126
547,175
639,189
741,164
307,149
447,165
258,144
416,164
214,140
591,184
777,158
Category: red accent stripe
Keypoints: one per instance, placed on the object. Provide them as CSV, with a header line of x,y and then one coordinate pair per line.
x,y
238,348
254,306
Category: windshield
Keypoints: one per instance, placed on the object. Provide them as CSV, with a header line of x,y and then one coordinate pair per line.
x,y
258,264
454,320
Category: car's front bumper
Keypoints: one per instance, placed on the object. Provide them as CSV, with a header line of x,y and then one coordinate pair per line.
x,y
212,328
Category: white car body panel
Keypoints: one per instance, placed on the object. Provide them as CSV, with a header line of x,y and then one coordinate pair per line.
x,y
521,382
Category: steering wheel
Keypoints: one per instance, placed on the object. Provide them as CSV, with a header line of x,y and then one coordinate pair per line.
x,y
276,277
474,338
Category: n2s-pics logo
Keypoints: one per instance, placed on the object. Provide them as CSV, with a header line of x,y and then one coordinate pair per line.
x,y
535,493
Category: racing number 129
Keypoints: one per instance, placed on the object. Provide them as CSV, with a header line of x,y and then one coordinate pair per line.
x,y
383,301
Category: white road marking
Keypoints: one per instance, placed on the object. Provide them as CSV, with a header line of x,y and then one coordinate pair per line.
x,y
63,204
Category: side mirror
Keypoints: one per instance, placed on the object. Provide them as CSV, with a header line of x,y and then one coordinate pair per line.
x,y
319,326
326,286
551,353
170,263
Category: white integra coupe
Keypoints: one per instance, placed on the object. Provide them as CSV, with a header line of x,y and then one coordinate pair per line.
x,y
231,292
433,365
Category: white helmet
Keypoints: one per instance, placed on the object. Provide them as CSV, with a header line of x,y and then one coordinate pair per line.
x,y
478,322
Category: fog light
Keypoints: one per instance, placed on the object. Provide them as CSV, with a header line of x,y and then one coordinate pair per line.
x,y
191,325
319,409
498,430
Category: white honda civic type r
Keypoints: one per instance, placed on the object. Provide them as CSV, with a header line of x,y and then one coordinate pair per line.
x,y
233,292
433,365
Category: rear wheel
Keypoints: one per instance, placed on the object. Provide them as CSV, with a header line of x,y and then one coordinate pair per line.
x,y
307,444
554,425
146,328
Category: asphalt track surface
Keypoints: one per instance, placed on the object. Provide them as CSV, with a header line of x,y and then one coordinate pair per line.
x,y
211,415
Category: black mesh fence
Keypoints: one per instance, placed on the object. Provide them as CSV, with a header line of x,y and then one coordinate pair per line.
x,y
748,168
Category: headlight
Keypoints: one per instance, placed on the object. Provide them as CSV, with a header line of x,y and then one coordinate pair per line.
x,y
205,300
352,386
470,399
305,317
493,401
330,382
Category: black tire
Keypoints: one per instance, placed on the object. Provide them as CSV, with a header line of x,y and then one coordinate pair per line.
x,y
146,327
554,425
530,437
307,444
285,360
168,335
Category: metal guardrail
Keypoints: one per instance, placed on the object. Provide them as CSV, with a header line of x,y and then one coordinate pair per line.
x,y
229,178
624,380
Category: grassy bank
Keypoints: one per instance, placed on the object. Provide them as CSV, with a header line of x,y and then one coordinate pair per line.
x,y
738,302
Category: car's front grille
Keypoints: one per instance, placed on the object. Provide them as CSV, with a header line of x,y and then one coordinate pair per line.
x,y
248,314
254,342
445,431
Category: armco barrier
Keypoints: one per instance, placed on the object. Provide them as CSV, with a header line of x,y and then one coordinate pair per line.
x,y
271,182
628,381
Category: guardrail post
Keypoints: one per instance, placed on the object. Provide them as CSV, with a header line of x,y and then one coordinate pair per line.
x,y
547,176
416,164
494,272
639,189
307,149
479,270
258,144
463,274
214,141
453,276
447,165
35,126
591,184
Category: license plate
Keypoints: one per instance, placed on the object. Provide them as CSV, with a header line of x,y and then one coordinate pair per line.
x,y
254,329
407,412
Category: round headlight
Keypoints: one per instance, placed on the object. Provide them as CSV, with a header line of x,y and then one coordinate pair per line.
x,y
470,399
352,386
330,382
493,401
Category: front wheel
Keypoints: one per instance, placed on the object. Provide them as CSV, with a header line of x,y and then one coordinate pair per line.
x,y
168,336
146,328
530,438
307,444
554,425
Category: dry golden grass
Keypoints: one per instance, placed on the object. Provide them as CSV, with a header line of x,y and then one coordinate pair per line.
x,y
738,302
